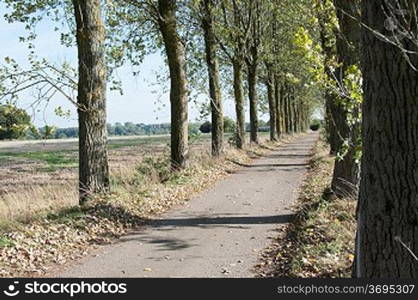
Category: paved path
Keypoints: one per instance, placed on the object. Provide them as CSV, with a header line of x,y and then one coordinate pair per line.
x,y
217,234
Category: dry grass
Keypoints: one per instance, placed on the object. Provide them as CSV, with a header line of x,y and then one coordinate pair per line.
x,y
320,240
142,187
31,187
36,199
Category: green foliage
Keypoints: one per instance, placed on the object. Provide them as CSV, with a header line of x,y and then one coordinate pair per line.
x,y
353,94
48,132
347,93
350,97
59,111
229,125
6,242
13,122
194,133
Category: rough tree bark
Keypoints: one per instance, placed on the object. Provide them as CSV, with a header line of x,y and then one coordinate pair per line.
x,y
277,102
214,81
284,104
272,105
289,115
253,101
295,116
283,107
178,83
252,60
237,65
388,206
91,99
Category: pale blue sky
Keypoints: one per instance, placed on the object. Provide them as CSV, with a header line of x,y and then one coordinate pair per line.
x,y
136,105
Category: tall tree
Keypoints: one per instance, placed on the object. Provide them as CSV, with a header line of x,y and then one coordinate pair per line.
x,y
278,105
252,60
175,52
387,237
272,100
325,13
92,74
211,48
346,169
235,26
269,57
91,99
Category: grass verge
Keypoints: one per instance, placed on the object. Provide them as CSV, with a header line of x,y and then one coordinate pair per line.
x,y
31,247
319,241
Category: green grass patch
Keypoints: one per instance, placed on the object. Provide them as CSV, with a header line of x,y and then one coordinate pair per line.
x,y
116,144
54,159
72,216
70,213
6,242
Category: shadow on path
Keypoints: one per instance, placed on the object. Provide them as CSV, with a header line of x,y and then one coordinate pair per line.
x,y
278,219
268,165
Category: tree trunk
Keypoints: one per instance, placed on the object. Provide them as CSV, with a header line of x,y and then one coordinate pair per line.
x,y
253,100
239,103
278,108
289,118
91,99
272,106
283,99
295,116
388,206
214,82
178,83
346,170
329,51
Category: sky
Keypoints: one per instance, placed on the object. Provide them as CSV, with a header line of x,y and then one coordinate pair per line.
x,y
138,104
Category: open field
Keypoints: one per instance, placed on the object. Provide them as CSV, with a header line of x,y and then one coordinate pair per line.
x,y
72,144
42,175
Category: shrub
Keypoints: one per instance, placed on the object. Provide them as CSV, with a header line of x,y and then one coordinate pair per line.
x,y
155,169
206,127
13,122
229,125
315,125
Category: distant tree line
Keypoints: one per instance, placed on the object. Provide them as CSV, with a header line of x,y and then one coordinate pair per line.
x,y
117,129
15,123
229,126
